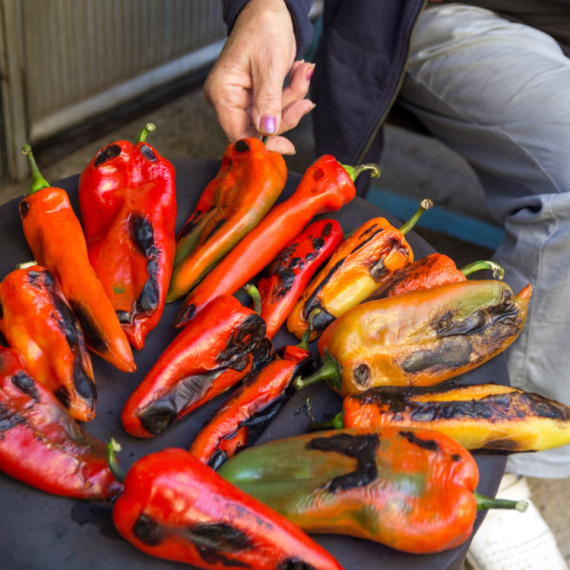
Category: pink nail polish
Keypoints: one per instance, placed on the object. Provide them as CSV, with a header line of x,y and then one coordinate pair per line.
x,y
268,124
310,72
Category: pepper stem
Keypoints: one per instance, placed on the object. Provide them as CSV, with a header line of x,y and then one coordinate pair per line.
x,y
354,171
148,128
424,205
336,423
498,271
26,264
484,503
264,139
112,449
253,292
38,181
328,371
304,344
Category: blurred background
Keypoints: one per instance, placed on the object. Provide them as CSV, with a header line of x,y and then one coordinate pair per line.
x,y
78,74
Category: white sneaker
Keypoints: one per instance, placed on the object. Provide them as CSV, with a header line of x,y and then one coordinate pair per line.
x,y
509,540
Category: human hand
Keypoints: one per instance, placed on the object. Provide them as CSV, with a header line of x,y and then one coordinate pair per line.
x,y
245,86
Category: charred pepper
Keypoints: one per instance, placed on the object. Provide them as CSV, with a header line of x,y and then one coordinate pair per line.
x,y
56,239
37,321
41,445
488,418
250,179
325,187
221,346
127,198
357,268
428,272
420,338
411,489
177,508
287,276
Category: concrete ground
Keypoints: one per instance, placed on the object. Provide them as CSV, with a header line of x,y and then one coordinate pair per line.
x,y
412,165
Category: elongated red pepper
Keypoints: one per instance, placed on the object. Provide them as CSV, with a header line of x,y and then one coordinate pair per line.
x,y
37,321
246,412
177,508
56,239
287,276
210,356
41,445
250,179
428,272
326,187
127,198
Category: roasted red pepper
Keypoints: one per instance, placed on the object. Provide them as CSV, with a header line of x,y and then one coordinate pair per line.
x,y
37,321
221,346
247,411
428,272
421,338
410,489
177,508
41,445
326,187
357,268
287,276
250,179
127,198
56,239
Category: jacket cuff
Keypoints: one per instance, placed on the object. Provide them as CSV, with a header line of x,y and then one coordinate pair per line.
x,y
299,10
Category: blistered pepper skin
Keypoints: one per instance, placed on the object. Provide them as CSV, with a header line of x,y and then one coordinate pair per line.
x,y
37,321
423,337
210,356
127,198
325,187
249,181
409,489
177,508
41,445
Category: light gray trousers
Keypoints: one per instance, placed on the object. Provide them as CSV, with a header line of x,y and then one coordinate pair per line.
x,y
498,93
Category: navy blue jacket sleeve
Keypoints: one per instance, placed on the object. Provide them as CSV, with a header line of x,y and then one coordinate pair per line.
x,y
299,10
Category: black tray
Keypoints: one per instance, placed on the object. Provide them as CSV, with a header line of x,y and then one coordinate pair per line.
x,y
40,531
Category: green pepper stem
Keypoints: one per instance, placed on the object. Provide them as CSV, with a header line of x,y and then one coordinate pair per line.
x,y
112,449
253,292
328,371
38,181
484,503
425,205
336,423
498,271
26,264
264,139
148,128
304,344
354,171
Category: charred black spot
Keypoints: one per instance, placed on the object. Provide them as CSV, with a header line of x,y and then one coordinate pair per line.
x,y
220,537
367,240
158,416
90,328
26,384
453,352
213,557
313,302
148,153
362,374
317,243
261,354
368,230
218,225
427,444
1,311
217,459
107,153
243,339
9,418
241,146
186,314
544,407
62,394
149,531
35,279
327,229
193,222
378,270
149,296
66,320
294,564
456,457
360,447
24,208
125,318
84,384
142,233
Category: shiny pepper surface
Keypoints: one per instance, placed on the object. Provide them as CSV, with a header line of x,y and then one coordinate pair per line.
x,y
409,489
325,187
127,198
41,445
37,321
217,350
420,338
249,181
56,239
177,508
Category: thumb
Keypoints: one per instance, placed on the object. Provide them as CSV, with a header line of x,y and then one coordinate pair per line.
x,y
267,97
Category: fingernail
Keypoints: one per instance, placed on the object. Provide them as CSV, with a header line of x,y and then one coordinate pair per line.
x,y
309,110
310,72
268,124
